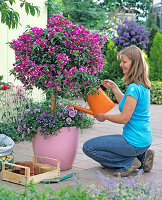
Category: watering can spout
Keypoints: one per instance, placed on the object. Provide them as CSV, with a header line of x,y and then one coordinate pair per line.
x,y
88,111
99,102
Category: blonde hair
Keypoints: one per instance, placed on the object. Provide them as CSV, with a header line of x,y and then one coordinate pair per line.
x,y
138,72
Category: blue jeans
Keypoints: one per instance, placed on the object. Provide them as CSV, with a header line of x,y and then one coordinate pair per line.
x,y
113,151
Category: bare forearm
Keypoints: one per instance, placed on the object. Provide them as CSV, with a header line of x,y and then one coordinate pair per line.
x,y
115,118
124,116
118,94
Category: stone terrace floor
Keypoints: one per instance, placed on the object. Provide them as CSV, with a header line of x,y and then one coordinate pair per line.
x,y
88,169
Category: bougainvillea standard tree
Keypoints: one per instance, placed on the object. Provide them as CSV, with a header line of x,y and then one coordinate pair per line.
x,y
59,58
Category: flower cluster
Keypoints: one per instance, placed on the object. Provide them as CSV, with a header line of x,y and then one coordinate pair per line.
x,y
49,58
38,116
130,33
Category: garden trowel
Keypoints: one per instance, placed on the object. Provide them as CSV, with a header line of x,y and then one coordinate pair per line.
x,y
58,180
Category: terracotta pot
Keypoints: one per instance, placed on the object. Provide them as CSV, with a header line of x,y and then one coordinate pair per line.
x,y
62,146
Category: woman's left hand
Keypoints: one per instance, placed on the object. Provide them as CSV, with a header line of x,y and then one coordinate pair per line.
x,y
100,117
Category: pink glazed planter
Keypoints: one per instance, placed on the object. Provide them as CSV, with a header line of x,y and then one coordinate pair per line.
x,y
62,146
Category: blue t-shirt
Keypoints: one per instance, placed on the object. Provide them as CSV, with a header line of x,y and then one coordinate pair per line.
x,y
138,129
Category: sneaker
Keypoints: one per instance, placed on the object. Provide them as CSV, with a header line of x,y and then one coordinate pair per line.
x,y
135,166
149,160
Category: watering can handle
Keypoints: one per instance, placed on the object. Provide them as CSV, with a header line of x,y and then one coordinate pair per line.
x,y
104,87
108,92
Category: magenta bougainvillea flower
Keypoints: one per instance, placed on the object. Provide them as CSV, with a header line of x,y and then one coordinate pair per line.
x,y
54,57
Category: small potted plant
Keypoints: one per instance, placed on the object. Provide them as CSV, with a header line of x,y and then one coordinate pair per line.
x,y
61,59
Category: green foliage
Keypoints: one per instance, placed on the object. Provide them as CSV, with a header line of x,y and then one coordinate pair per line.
x,y
10,129
10,17
54,7
110,25
86,13
153,29
156,58
140,7
156,92
87,122
111,69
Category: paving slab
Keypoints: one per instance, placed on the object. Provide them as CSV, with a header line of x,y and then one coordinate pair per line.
x,y
87,169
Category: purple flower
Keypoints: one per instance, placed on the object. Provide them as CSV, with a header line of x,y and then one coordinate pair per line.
x,y
20,119
36,110
70,109
68,120
81,115
27,111
28,130
130,33
73,113
19,128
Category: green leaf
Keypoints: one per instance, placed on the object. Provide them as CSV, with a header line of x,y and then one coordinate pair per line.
x,y
32,10
22,4
27,8
11,2
38,10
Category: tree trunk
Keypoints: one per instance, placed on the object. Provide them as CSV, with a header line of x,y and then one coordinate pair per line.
x,y
53,102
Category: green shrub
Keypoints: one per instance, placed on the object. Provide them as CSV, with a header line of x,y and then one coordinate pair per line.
x,y
156,58
156,92
153,29
10,129
111,69
151,36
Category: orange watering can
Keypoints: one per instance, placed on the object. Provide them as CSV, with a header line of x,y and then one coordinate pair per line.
x,y
99,102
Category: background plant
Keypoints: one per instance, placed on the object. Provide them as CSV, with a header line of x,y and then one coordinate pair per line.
x,y
86,13
156,58
111,69
130,33
10,129
156,92
12,103
54,7
140,7
153,29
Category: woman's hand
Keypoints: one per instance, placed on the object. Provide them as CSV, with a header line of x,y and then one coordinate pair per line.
x,y
109,84
100,117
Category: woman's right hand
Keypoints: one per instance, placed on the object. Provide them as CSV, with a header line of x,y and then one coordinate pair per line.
x,y
109,84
